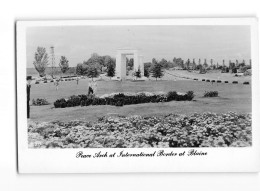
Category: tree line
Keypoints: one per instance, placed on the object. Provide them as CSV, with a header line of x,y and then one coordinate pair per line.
x,y
97,64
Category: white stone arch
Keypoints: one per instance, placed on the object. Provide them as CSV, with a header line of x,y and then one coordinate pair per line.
x,y
121,62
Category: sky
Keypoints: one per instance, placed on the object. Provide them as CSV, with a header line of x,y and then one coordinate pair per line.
x,y
77,43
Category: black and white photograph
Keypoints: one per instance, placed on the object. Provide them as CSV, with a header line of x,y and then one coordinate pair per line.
x,y
130,95
139,86
115,91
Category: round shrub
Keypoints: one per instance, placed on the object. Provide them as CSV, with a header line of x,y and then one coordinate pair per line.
x,y
203,79
235,82
211,94
40,101
226,82
246,83
219,81
207,80
213,81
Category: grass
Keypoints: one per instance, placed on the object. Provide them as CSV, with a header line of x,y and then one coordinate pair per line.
x,y
232,97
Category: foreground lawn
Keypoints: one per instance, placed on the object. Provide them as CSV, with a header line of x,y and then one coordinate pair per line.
x,y
232,97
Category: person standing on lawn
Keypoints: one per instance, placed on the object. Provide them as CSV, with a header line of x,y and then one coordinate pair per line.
x,y
57,84
90,89
94,87
28,88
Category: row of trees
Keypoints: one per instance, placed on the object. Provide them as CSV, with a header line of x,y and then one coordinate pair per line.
x,y
97,64
41,62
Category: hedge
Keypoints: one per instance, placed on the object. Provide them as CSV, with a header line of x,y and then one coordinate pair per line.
x,y
211,94
121,99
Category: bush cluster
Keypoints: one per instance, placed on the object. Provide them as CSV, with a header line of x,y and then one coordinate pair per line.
x,y
121,99
211,94
196,130
40,101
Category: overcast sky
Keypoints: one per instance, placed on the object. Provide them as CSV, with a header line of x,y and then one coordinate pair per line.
x,y
77,43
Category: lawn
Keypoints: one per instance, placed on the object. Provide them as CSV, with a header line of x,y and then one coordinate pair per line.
x,y
232,97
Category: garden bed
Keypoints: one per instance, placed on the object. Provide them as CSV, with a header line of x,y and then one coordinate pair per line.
x,y
197,130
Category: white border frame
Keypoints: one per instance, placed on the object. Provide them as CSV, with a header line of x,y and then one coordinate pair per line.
x,y
64,160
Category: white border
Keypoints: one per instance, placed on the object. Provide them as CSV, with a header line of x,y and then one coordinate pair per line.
x,y
64,160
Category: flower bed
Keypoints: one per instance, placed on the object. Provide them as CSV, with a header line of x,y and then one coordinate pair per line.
x,y
120,99
196,130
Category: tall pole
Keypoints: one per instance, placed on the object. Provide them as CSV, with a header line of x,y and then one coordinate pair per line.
x,y
52,60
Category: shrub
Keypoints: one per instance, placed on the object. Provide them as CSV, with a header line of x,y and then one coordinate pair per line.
x,y
37,82
190,95
226,82
211,94
207,80
219,81
203,79
246,83
45,81
235,82
40,101
213,81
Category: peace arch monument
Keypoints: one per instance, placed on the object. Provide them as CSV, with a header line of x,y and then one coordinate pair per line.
x,y
121,62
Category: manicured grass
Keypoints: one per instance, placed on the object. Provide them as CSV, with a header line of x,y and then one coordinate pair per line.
x,y
231,98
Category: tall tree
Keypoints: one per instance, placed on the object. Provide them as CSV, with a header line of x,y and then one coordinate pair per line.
x,y
130,62
205,65
147,67
79,69
40,60
164,63
156,70
94,59
146,72
92,71
64,64
187,64
110,70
